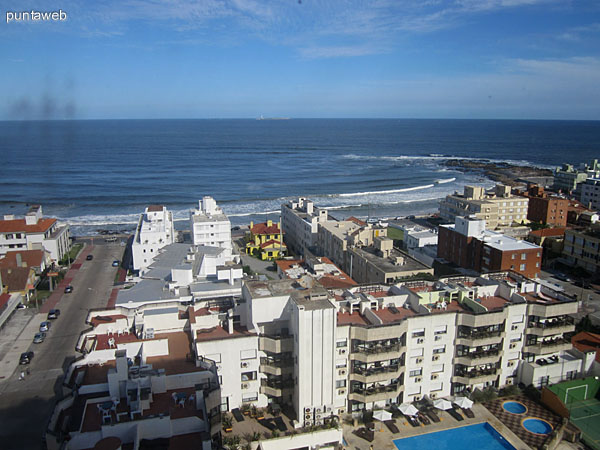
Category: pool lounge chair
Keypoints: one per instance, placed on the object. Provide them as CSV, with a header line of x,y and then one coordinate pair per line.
x,y
423,418
280,424
239,417
413,421
468,412
267,424
430,412
391,425
367,435
455,414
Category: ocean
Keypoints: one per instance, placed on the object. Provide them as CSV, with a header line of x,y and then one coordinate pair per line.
x,y
100,174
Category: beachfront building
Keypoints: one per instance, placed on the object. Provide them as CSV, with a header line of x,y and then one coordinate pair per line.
x,y
582,248
469,245
590,193
499,208
300,221
569,180
34,232
210,226
266,240
154,230
546,209
183,273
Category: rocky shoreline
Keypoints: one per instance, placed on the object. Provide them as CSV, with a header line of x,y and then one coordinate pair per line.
x,y
500,172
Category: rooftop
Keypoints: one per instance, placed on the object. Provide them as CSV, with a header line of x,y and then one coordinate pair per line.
x,y
355,318
155,208
394,315
218,333
31,258
19,225
388,265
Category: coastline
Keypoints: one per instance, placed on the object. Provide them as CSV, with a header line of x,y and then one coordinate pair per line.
x,y
504,173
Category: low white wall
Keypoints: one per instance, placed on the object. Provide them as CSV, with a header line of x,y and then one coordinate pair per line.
x,y
310,440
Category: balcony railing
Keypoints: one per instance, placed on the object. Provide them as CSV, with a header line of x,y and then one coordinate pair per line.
x,y
375,370
374,390
476,373
280,363
552,323
480,334
480,354
377,349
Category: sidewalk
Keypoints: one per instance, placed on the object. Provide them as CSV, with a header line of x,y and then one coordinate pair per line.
x,y
21,344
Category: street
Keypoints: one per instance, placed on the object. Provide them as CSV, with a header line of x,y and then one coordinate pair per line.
x,y
26,406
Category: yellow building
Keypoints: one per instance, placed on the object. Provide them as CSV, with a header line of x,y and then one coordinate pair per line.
x,y
266,240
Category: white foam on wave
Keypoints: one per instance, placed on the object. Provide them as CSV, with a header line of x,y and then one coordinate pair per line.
x,y
447,180
389,191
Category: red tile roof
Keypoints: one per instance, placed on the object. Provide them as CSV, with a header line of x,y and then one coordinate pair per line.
x,y
218,333
262,228
354,318
286,264
272,243
155,208
15,278
19,225
97,320
545,232
4,298
585,341
31,258
387,316
357,221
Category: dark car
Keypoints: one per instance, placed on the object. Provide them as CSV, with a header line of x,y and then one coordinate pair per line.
x,y
53,314
562,277
68,289
116,263
89,257
26,358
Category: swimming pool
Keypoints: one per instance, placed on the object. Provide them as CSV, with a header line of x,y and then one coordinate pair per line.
x,y
514,407
536,425
481,436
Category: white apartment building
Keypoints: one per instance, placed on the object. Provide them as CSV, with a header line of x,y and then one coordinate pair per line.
x,y
210,226
590,193
300,221
155,229
497,209
34,232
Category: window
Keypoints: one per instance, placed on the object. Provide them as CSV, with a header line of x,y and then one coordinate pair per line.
x,y
441,349
248,376
440,330
252,397
247,354
415,373
341,343
419,333
523,256
340,383
522,267
341,364
513,256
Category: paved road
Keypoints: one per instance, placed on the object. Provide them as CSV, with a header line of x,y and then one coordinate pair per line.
x,y
25,406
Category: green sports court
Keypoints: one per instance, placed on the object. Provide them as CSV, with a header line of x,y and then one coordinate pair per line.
x,y
581,397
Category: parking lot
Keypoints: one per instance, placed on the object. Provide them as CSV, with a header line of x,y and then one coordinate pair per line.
x,y
26,404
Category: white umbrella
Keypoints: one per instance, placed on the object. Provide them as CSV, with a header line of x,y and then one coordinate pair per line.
x,y
408,410
463,402
442,404
382,415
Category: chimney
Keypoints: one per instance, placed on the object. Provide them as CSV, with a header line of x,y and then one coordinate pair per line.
x,y
18,259
230,321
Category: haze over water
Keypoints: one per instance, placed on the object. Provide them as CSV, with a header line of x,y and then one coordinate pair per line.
x,y
101,174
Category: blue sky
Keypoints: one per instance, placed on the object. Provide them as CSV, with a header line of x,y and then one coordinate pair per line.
x,y
530,59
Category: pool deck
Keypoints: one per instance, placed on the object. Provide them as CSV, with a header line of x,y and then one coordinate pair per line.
x,y
383,436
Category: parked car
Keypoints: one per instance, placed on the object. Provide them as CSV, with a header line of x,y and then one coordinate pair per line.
x,y
21,306
39,338
53,314
44,326
89,257
26,358
68,289
110,239
116,263
562,277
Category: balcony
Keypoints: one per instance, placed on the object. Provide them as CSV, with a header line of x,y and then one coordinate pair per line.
x,y
276,366
475,376
551,326
480,338
375,352
375,374
277,388
375,393
549,346
276,344
480,357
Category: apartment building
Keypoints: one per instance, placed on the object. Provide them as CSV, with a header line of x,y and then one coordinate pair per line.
x,y
154,230
210,226
34,232
546,209
469,245
499,208
131,388
590,193
300,221
582,248
569,179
